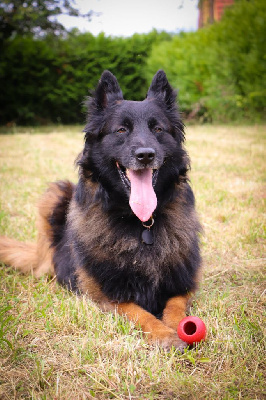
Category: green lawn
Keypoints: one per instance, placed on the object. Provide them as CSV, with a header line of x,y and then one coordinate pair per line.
x,y
56,346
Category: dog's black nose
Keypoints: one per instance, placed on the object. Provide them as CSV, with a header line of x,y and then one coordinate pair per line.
x,y
145,155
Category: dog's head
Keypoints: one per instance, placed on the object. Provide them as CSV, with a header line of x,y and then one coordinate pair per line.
x,y
133,149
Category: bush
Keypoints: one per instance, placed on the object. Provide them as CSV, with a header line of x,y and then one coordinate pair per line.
x,y
46,80
219,71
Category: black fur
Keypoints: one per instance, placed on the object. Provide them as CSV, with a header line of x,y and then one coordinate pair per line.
x,y
98,231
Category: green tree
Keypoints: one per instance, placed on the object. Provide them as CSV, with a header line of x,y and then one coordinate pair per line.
x,y
220,70
46,79
24,17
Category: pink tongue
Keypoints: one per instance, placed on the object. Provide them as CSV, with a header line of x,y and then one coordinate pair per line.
x,y
143,200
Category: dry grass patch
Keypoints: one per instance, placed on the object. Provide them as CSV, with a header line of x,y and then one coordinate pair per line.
x,y
57,346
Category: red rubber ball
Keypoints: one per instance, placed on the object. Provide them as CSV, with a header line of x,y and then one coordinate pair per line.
x,y
192,330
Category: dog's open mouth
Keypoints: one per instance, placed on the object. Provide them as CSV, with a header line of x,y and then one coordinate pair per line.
x,y
124,175
140,183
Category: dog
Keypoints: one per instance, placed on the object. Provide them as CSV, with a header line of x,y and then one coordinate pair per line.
x,y
127,235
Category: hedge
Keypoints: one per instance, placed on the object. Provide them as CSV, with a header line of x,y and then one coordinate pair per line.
x,y
219,71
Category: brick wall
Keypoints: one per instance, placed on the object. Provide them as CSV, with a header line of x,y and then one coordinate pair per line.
x,y
212,10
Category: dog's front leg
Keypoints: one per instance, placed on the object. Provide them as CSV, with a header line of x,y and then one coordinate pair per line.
x,y
156,331
175,311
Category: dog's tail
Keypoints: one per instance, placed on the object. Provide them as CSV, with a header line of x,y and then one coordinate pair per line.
x,y
22,256
38,257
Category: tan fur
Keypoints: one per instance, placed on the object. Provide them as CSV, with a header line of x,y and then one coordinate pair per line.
x,y
96,233
155,330
22,256
175,311
90,288
34,257
44,250
159,332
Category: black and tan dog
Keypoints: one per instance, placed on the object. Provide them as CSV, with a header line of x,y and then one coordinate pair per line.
x,y
127,234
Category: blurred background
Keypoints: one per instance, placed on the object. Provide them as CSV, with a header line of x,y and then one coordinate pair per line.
x,y
52,54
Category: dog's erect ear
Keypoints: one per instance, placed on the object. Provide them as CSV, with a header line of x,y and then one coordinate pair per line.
x,y
107,91
162,90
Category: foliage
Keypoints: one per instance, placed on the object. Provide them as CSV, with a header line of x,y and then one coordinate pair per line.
x,y
24,17
241,60
46,80
220,70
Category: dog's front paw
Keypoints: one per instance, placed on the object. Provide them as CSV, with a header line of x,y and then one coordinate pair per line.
x,y
167,339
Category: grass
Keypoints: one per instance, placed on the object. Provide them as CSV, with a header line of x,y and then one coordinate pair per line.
x,y
56,346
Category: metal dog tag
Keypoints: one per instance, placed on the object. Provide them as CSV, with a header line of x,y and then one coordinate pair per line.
x,y
147,236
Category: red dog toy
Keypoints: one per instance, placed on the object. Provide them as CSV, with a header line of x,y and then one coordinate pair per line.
x,y
191,330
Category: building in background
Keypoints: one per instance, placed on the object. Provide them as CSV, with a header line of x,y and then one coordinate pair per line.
x,y
212,10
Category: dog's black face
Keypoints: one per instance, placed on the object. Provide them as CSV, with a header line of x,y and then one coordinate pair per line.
x,y
134,149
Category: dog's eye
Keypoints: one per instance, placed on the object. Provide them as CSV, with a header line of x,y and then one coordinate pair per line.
x,y
157,129
121,130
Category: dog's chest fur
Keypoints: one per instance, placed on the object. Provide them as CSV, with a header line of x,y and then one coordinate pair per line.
x,y
111,251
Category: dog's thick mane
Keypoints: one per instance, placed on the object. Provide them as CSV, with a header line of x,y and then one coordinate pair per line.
x,y
158,268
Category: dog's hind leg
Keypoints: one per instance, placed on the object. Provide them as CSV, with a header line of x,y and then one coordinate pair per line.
x,y
53,208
